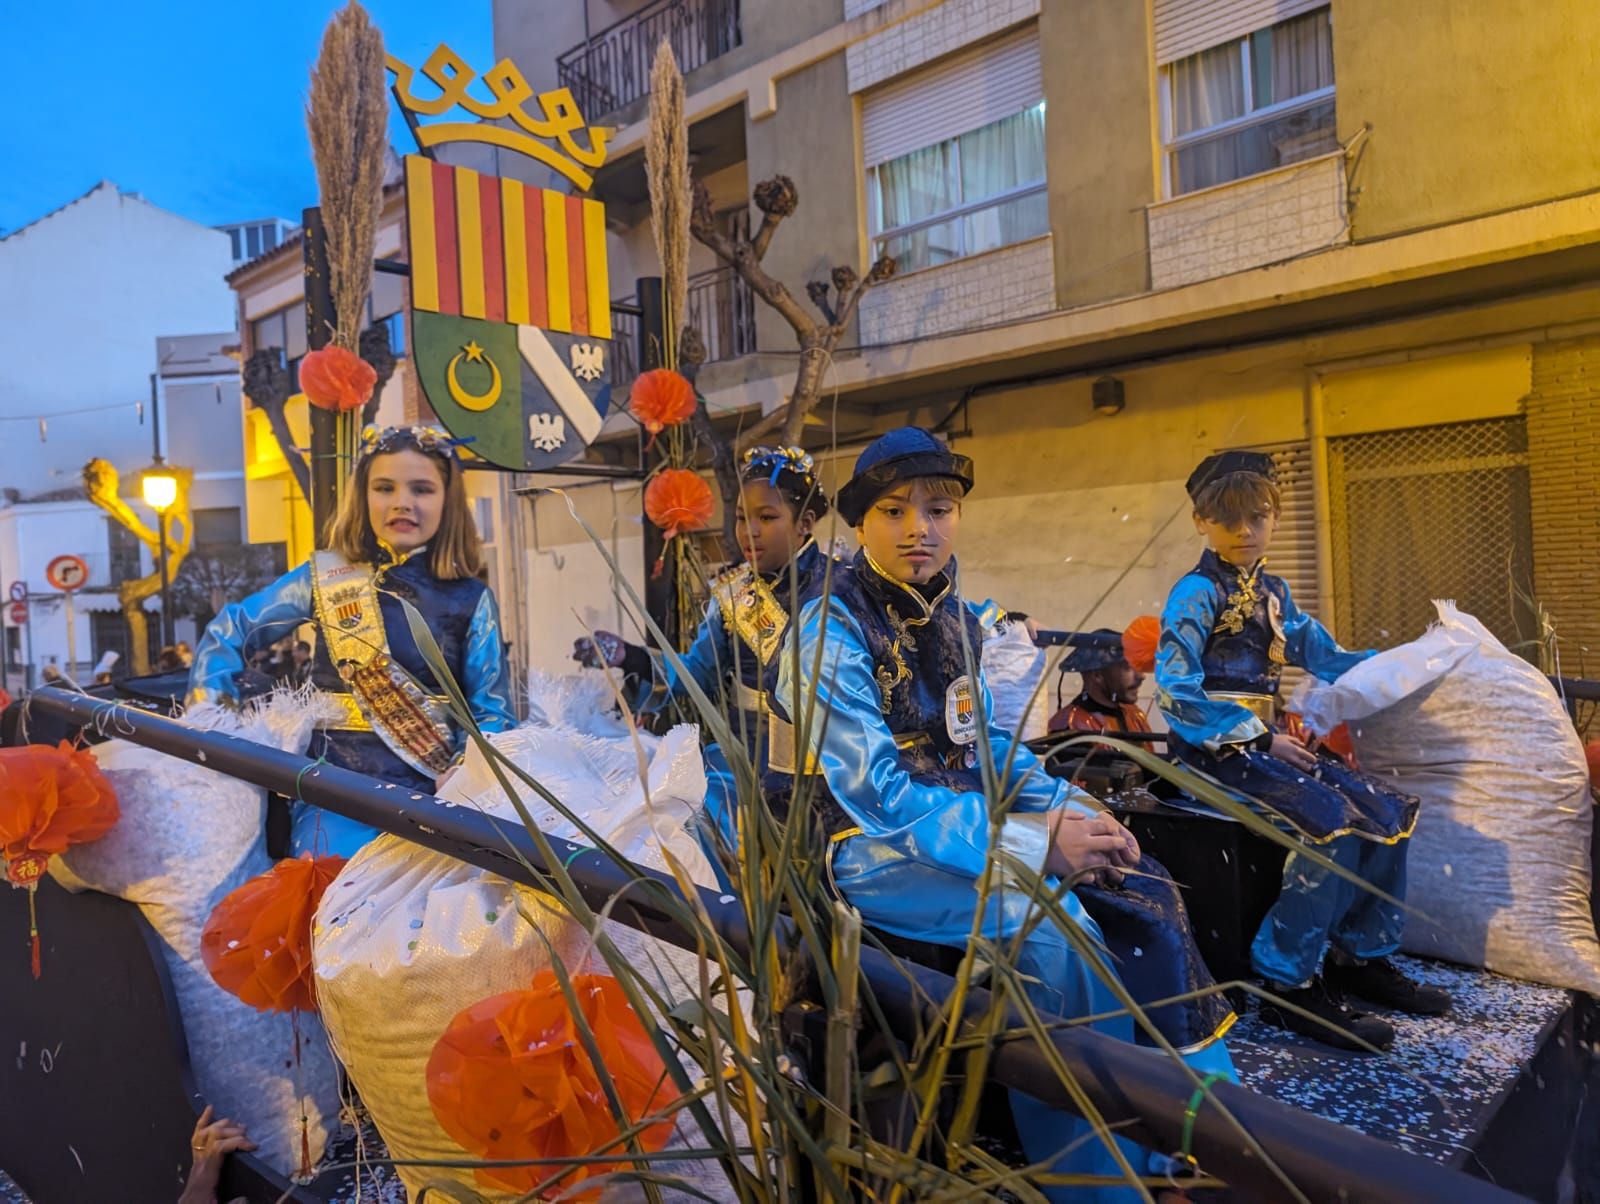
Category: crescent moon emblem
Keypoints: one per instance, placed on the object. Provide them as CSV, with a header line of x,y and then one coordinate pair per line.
x,y
473,401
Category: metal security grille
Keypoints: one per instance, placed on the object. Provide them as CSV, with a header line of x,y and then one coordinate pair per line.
x,y
1431,512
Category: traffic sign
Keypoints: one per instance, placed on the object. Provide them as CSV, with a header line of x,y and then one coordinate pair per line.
x,y
17,612
19,591
67,573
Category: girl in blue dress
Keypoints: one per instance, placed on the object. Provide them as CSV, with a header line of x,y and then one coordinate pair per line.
x,y
404,532
734,656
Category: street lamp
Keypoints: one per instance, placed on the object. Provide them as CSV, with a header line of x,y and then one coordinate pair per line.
x,y
159,485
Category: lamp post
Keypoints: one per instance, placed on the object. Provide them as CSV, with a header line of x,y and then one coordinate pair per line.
x,y
159,485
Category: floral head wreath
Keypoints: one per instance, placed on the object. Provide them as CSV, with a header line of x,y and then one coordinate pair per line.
x,y
377,441
789,470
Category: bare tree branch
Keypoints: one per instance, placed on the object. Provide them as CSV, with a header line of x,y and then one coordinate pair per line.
x,y
266,384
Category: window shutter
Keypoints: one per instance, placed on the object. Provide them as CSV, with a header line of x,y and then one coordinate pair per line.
x,y
1185,27
962,93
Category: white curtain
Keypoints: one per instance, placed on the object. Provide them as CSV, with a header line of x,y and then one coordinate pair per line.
x,y
1293,58
1207,89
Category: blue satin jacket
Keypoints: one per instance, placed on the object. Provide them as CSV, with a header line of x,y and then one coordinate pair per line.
x,y
1232,630
719,660
460,613
894,665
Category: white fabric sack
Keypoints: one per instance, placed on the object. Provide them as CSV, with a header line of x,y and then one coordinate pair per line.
x,y
1013,667
407,938
1499,865
187,837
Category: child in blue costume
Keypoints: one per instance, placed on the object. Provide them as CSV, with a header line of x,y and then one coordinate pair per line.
x,y
893,726
733,658
1228,630
404,531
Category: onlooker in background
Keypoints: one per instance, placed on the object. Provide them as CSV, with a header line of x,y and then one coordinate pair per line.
x,y
169,661
185,653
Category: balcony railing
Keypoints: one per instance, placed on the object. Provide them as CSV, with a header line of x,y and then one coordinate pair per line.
x,y
612,69
721,308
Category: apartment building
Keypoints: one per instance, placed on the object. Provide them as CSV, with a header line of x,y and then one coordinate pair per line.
x,y
1358,234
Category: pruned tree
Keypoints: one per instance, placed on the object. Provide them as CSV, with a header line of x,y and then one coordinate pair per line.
x,y
835,299
267,384
211,579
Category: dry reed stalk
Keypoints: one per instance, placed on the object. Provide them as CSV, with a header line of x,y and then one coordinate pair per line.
x,y
347,115
666,159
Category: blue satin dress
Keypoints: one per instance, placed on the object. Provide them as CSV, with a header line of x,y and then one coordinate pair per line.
x,y
465,622
732,672
890,736
1228,631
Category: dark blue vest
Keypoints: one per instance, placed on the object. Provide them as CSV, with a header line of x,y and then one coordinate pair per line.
x,y
447,607
915,636
1245,653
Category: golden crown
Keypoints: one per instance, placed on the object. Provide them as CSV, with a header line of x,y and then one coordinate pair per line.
x,y
511,91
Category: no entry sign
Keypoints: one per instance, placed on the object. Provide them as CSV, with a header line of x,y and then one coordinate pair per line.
x,y
17,612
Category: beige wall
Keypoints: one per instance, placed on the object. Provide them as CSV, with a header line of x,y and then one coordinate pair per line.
x,y
1474,108
809,139
1099,135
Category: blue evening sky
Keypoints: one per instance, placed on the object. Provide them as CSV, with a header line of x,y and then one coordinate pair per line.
x,y
197,104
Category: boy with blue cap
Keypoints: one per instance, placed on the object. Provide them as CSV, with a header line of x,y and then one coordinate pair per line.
x,y
1228,631
884,684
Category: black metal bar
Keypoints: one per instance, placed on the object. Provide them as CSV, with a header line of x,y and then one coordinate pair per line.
x,y
1142,1093
622,307
1048,638
1577,689
392,267
660,588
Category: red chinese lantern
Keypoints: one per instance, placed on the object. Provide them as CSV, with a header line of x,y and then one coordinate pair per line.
x,y
1139,643
678,500
257,942
336,379
50,799
510,1079
661,398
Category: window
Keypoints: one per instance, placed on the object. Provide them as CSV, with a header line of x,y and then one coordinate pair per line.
x,y
233,236
217,529
1251,104
972,193
955,157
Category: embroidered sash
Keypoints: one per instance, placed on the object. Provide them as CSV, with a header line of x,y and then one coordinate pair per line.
x,y
750,607
415,726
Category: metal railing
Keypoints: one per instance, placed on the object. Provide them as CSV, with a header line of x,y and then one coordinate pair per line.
x,y
612,69
1139,1093
721,308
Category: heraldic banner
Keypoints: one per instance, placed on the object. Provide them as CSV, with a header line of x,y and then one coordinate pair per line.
x,y
510,313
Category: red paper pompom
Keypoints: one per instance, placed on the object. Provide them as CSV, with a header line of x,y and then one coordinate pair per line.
x,y
1139,643
257,942
50,799
336,379
678,500
511,1079
661,398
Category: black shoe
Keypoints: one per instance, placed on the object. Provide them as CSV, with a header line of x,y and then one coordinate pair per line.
x,y
1382,982
1330,1021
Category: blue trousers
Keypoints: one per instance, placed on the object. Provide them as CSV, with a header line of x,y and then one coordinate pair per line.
x,y
1317,909
923,903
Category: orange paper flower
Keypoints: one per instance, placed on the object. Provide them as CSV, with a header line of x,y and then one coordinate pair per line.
x,y
336,379
661,398
50,799
677,500
1139,643
510,1079
257,943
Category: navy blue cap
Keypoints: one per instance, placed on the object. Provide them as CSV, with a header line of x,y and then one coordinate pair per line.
x,y
1224,462
902,455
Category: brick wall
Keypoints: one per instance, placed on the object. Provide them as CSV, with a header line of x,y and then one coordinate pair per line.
x,y
1000,286
1564,469
950,27
1296,210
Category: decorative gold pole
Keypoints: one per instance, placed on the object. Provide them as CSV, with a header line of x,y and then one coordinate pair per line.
x,y
100,481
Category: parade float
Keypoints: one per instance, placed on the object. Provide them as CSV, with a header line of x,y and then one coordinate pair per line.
x,y
533,982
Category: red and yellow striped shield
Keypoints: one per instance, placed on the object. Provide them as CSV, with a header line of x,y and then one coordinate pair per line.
x,y
497,249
